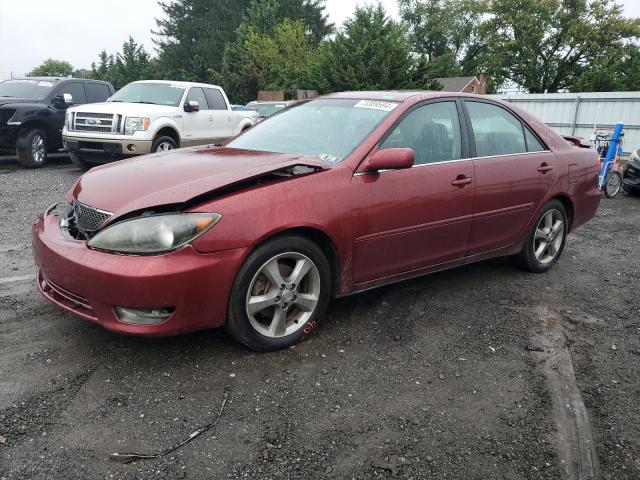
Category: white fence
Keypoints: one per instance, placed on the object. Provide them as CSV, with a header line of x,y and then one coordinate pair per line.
x,y
577,113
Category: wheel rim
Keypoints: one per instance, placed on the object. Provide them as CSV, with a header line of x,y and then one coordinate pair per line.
x,y
283,294
548,236
37,148
614,182
164,147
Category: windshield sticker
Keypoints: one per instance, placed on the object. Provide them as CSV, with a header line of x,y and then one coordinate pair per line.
x,y
45,84
376,105
327,157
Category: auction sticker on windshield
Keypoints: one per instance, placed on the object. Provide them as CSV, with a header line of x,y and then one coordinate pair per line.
x,y
376,105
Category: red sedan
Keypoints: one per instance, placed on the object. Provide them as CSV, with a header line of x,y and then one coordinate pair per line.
x,y
331,197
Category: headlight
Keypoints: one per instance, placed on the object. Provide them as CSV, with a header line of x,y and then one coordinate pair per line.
x,y
134,124
67,120
153,234
635,157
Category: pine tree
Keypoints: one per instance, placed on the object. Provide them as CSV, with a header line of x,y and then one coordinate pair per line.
x,y
130,65
193,36
370,53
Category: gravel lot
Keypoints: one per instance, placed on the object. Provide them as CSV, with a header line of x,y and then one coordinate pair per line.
x,y
479,372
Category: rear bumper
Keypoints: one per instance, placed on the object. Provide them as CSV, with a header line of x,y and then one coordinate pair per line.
x,y
91,283
120,147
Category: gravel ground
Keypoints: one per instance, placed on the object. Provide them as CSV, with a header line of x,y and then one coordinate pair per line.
x,y
447,377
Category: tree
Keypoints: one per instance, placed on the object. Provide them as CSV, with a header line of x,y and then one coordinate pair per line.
x,y
274,49
444,35
611,73
52,68
545,45
131,65
193,35
369,53
104,69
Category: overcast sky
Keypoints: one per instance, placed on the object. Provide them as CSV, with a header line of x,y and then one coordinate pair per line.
x,y
77,30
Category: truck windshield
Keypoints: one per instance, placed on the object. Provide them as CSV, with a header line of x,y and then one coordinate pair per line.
x,y
326,128
26,88
167,94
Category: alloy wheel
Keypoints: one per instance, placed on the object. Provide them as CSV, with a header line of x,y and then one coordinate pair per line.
x,y
164,147
549,236
38,149
283,295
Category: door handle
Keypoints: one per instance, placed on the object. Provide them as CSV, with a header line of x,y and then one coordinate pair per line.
x,y
544,168
211,118
461,181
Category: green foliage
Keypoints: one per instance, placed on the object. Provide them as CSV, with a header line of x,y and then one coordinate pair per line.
x,y
193,35
132,64
546,45
371,52
444,35
52,68
274,50
617,71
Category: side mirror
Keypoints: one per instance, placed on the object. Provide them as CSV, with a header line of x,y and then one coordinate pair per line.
x,y
63,100
390,159
192,106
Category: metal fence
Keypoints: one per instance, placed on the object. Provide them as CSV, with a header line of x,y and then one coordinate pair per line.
x,y
577,113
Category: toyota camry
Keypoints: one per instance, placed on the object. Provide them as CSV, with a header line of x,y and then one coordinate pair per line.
x,y
331,197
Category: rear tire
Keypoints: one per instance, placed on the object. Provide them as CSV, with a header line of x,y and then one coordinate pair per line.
x,y
280,294
31,148
79,162
163,144
546,240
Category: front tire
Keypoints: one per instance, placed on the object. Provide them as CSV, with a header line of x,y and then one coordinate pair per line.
x,y
280,294
31,148
163,144
546,241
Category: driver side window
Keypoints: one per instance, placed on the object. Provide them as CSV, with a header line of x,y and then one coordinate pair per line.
x,y
432,131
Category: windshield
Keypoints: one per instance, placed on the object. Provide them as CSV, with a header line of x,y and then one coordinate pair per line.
x,y
29,89
327,128
265,110
167,94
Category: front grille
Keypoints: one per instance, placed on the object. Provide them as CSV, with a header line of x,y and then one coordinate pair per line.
x,y
95,122
88,219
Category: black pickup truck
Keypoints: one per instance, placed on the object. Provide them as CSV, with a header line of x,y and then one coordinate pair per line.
x,y
33,110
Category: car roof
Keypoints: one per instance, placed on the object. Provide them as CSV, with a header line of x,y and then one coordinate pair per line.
x,y
181,84
56,79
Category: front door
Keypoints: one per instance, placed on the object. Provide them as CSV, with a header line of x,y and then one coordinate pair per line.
x,y
407,220
513,172
197,127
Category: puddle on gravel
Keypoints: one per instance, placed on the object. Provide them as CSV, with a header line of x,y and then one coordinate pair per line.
x,y
575,446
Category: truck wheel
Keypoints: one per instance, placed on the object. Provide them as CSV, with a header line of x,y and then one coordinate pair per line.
x,y
163,144
79,162
31,148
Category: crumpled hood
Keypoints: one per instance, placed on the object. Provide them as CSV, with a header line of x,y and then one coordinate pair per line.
x,y
177,176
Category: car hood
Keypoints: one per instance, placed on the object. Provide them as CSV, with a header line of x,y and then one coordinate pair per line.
x,y
177,176
12,100
126,109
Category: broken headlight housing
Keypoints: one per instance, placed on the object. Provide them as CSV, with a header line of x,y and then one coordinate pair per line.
x,y
154,233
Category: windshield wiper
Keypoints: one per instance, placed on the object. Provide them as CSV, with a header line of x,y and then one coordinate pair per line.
x,y
148,103
7,96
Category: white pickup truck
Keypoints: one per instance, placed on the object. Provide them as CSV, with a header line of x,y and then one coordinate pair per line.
x,y
150,116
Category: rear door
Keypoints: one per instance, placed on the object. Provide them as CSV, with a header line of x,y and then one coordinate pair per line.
x,y
406,220
513,172
197,128
220,117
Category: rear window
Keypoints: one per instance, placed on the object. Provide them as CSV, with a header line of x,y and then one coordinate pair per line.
x,y
97,92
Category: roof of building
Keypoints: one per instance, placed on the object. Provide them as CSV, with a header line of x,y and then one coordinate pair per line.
x,y
455,84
